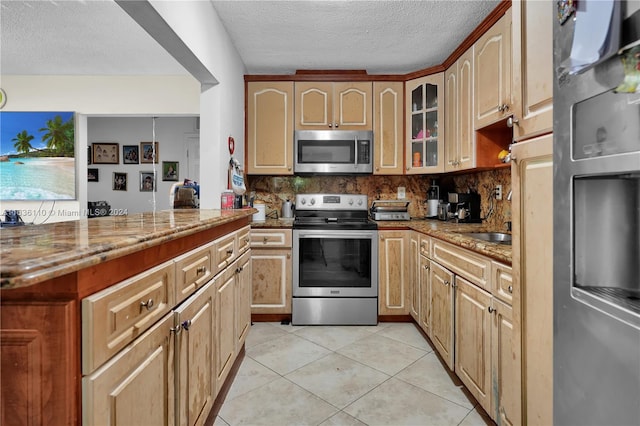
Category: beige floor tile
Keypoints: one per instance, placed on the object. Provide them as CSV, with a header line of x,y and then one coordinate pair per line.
x,y
406,333
287,327
277,403
251,375
429,373
342,419
219,422
286,353
333,337
395,402
337,379
383,354
261,332
477,417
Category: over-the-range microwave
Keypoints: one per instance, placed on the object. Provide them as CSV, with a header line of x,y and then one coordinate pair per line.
x,y
333,152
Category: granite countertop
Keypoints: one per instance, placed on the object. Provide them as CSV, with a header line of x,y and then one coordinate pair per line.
x,y
451,232
34,253
454,233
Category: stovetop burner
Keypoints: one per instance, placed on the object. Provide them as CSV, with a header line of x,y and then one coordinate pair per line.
x,y
332,211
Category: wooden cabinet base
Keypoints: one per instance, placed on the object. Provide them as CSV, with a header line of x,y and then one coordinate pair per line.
x,y
224,390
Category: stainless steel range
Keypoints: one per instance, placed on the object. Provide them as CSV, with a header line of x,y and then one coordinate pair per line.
x,y
335,261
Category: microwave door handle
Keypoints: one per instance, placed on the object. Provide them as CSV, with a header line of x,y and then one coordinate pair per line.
x,y
355,141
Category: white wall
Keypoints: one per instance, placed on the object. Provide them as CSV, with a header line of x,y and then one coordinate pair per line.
x,y
170,132
93,95
221,106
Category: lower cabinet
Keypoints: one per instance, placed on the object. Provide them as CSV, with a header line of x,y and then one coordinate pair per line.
x,y
225,288
271,277
506,408
137,385
414,271
442,297
243,296
393,274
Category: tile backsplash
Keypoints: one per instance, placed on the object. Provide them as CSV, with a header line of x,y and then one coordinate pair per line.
x,y
273,190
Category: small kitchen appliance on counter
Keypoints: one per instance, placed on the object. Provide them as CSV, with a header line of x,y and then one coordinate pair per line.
x,y
465,207
433,199
287,209
390,210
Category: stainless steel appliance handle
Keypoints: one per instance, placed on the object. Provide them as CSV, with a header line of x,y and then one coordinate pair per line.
x,y
355,141
339,234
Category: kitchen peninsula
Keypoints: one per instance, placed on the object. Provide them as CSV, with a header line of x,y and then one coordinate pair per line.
x,y
97,312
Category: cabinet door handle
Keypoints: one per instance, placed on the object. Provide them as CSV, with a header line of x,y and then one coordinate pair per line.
x,y
289,169
426,267
330,125
510,289
186,324
336,125
407,168
265,240
288,256
446,283
491,310
239,269
148,304
201,270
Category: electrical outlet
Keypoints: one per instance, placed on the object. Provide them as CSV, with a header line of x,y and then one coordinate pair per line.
x,y
498,192
402,194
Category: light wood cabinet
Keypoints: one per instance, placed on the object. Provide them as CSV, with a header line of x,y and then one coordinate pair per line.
x,y
388,134
193,270
393,273
114,317
473,340
425,130
137,385
532,212
469,265
270,128
244,274
272,271
194,322
492,81
425,295
333,106
460,144
506,407
225,288
532,54
414,277
442,306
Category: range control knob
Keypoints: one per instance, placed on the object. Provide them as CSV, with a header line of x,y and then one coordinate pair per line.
x,y
313,201
350,201
359,202
303,201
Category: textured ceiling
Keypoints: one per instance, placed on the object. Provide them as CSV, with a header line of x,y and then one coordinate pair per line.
x,y
96,37
394,37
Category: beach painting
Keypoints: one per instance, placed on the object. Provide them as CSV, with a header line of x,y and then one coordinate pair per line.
x,y
37,156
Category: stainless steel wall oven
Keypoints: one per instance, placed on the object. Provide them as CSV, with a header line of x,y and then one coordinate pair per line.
x,y
335,267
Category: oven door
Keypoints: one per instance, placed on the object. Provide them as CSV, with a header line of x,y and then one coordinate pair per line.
x,y
335,263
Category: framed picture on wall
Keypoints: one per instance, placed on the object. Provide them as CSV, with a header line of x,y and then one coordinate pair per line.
x,y
130,154
93,175
119,181
170,171
147,181
149,153
105,153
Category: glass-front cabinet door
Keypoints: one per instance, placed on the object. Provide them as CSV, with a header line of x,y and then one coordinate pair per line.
x,y
425,125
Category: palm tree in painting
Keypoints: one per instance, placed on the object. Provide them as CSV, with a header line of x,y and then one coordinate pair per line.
x,y
22,142
59,136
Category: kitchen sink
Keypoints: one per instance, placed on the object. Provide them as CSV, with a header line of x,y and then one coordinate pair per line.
x,y
492,237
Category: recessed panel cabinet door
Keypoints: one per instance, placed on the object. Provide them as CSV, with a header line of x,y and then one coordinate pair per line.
x,y
137,385
270,128
393,273
225,324
442,312
314,105
506,369
195,356
425,295
352,106
243,298
388,132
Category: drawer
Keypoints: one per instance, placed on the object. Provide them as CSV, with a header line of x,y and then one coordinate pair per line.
x,y
425,245
114,317
244,239
474,267
193,270
261,238
224,252
502,280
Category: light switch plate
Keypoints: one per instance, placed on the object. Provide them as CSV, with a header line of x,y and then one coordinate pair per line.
x,y
402,194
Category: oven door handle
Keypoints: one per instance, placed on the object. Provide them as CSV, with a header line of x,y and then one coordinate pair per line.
x,y
339,234
355,141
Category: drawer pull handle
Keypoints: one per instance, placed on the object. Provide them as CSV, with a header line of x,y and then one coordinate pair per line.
x,y
229,252
186,324
265,240
491,310
148,304
247,240
201,270
510,289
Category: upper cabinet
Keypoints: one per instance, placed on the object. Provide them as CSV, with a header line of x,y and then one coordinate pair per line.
x,y
339,106
460,138
388,99
425,109
270,128
532,68
492,62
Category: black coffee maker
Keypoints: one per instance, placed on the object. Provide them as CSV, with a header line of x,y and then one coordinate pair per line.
x,y
465,206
